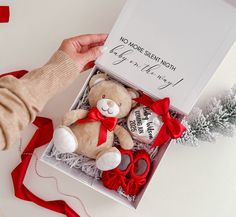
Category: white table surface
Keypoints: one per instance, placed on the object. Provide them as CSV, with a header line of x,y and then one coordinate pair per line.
x,y
189,182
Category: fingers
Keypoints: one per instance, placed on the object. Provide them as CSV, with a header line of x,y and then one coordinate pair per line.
x,y
84,49
88,39
91,55
87,47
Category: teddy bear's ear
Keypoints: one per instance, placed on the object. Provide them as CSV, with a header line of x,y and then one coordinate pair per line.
x,y
134,94
97,78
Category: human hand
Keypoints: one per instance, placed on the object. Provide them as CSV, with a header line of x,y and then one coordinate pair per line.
x,y
84,49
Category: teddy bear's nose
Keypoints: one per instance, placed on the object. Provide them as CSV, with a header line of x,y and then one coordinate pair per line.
x,y
110,103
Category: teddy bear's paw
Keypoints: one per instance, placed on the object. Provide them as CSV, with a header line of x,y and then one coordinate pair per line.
x,y
108,161
64,140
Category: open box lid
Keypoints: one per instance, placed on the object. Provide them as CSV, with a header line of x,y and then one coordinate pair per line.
x,y
170,48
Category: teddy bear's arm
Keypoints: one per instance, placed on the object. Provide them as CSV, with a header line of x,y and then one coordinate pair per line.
x,y
124,137
74,115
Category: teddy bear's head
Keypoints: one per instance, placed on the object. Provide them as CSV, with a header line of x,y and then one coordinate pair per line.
x,y
111,98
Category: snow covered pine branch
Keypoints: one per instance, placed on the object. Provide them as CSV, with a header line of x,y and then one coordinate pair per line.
x,y
218,117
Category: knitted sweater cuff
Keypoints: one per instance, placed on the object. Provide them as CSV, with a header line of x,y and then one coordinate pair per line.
x,y
45,82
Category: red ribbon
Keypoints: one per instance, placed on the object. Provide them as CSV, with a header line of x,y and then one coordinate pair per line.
x,y
4,14
42,136
171,127
107,123
17,74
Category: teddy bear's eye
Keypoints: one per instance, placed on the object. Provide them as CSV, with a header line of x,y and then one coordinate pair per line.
x,y
119,104
103,96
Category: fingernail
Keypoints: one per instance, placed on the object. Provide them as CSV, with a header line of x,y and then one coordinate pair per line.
x,y
103,49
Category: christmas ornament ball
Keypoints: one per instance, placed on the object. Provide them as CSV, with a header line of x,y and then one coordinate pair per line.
x,y
144,124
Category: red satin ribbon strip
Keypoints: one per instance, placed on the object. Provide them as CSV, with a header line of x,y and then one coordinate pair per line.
x,y
171,127
4,14
106,123
17,74
42,136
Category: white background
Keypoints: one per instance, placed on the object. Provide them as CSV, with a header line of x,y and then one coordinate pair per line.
x,y
189,182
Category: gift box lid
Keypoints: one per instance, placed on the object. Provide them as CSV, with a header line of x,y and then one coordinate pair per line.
x,y
170,48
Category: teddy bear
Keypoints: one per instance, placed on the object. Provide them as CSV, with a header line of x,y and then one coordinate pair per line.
x,y
106,98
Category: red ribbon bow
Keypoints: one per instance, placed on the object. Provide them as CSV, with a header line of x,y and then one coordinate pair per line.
x,y
42,136
107,123
4,14
171,127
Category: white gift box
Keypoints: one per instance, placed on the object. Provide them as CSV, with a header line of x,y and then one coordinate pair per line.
x,y
165,49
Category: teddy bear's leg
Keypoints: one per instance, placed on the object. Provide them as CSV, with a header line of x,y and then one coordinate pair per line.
x,y
108,159
64,140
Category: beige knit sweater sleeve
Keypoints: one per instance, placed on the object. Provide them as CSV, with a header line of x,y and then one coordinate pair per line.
x,y
21,99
